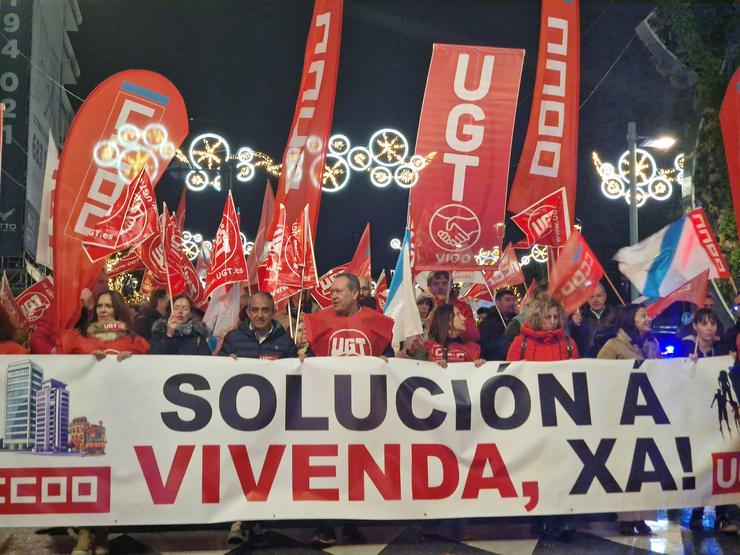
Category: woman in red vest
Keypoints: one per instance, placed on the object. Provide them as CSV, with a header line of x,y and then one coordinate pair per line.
x,y
110,332
9,344
445,342
543,335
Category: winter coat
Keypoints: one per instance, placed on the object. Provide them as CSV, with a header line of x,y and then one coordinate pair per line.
x,y
193,343
72,342
242,342
621,347
494,345
590,326
542,345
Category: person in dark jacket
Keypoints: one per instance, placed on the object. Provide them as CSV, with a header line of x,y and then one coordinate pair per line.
x,y
705,341
494,344
179,334
261,336
150,313
593,316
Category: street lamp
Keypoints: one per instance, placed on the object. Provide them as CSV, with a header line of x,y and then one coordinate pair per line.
x,y
664,143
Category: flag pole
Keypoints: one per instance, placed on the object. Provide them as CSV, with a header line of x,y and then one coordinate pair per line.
x,y
164,256
609,281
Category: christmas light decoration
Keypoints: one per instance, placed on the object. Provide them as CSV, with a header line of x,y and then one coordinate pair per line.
x,y
652,182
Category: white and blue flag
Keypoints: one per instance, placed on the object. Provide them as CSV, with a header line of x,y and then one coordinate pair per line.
x,y
401,303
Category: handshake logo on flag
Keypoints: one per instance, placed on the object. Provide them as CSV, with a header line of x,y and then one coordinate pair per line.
x,y
454,227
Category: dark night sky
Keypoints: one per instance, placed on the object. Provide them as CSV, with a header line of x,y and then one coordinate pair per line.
x,y
238,66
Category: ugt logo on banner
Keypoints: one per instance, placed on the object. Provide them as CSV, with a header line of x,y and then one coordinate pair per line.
x,y
726,472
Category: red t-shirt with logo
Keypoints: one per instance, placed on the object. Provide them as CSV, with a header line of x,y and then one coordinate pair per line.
x,y
457,351
364,333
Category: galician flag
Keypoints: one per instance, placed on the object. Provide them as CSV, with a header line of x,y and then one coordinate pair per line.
x,y
401,303
674,255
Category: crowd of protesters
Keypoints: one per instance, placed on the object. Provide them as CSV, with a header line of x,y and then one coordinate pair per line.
x,y
541,331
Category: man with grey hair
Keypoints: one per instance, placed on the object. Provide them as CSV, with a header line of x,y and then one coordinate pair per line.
x,y
345,328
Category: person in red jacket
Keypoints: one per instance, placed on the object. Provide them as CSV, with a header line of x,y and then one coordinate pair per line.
x,y
109,332
9,344
445,342
543,335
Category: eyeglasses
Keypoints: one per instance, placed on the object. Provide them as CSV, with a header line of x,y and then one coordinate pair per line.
x,y
552,316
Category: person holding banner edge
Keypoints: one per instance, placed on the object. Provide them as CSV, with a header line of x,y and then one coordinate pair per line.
x,y
180,334
439,285
633,341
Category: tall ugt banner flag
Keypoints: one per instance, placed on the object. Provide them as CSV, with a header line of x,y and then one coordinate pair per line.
x,y
303,161
550,154
132,120
729,119
458,206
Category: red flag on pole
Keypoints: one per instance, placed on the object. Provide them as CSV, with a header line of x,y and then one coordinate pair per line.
x,y
227,264
8,302
132,218
507,273
35,300
261,248
547,221
550,154
458,206
575,274
303,161
274,259
297,265
693,291
173,256
133,119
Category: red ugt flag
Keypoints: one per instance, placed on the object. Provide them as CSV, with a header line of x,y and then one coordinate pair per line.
x,y
576,274
132,218
227,264
547,221
360,265
7,300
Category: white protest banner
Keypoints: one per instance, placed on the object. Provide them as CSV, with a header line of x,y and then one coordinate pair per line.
x,y
174,440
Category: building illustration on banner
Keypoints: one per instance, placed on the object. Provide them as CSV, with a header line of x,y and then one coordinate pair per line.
x,y
37,416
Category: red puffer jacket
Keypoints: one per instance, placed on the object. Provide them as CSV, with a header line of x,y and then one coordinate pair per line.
x,y
542,345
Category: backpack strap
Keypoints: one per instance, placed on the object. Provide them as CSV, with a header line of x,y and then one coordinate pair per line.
x,y
568,347
524,347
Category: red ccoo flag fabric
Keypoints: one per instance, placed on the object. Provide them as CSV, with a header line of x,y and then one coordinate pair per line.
x,y
575,275
132,218
227,264
693,291
131,120
550,154
303,160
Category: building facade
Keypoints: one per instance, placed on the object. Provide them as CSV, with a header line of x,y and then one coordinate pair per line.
x,y
87,438
52,418
23,382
